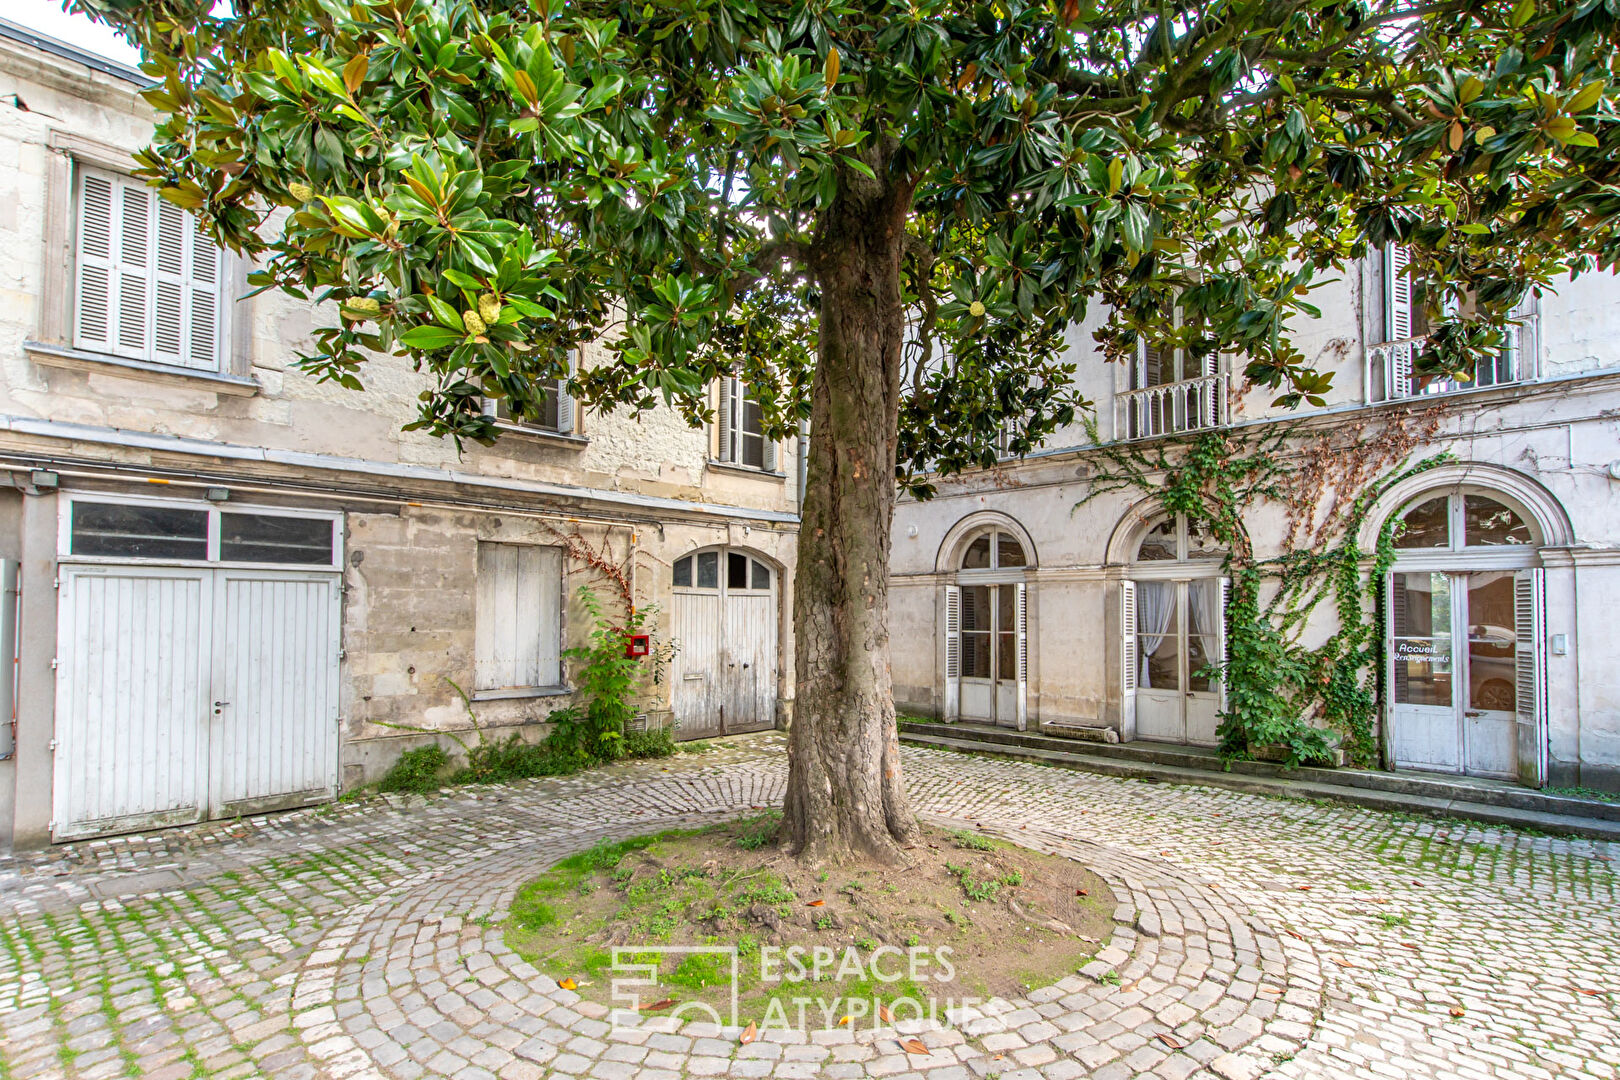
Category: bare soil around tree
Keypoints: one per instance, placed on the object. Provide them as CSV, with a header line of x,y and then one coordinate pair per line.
x,y
969,916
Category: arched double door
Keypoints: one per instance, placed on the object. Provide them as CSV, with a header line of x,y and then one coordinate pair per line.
x,y
724,620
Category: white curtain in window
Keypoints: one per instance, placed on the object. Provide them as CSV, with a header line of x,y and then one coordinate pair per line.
x,y
1203,597
1155,607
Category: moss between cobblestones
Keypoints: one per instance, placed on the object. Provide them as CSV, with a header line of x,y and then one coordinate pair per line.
x,y
1011,919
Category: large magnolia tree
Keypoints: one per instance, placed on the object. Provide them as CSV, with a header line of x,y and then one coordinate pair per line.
x,y
882,213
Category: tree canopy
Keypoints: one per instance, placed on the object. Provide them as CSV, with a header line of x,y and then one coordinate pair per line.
x,y
481,184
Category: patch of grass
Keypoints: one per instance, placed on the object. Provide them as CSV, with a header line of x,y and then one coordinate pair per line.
x,y
657,743
415,771
1391,920
755,832
972,841
983,891
698,747
1578,792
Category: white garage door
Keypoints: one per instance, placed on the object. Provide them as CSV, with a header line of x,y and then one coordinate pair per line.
x,y
186,692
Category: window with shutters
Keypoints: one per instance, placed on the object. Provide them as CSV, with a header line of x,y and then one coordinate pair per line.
x,y
739,428
1406,324
555,415
1173,388
148,285
518,631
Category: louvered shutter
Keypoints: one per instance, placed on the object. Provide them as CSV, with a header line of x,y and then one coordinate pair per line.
x,y
1398,320
97,265
565,401
953,651
169,315
1021,592
134,271
1394,625
1220,643
768,455
1529,662
1128,659
723,419
207,279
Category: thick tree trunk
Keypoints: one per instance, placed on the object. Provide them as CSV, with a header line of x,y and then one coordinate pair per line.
x,y
845,797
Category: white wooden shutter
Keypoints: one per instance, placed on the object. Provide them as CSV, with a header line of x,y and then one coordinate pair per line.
x,y
148,284
97,263
1220,642
723,418
565,401
1128,659
953,651
1398,320
1021,591
1529,661
517,634
768,456
1394,620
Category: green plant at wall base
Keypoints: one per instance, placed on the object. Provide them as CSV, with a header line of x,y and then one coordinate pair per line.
x,y
415,771
1280,693
609,681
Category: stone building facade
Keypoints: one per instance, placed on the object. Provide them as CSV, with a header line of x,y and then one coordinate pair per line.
x,y
1044,593
240,589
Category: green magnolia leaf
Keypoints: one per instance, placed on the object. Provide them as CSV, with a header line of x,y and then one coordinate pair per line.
x,y
430,337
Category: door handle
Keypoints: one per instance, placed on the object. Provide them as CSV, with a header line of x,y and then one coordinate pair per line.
x,y
218,704
1474,714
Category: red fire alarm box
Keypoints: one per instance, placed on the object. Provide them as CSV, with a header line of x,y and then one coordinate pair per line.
x,y
637,644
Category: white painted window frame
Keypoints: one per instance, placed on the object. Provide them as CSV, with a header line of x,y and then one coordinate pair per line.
x,y
731,392
64,542
567,410
558,620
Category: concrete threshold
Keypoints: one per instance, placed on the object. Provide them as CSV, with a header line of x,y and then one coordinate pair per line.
x,y
1488,802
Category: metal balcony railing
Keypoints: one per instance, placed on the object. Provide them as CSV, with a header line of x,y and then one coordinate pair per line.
x,y
1390,376
1173,408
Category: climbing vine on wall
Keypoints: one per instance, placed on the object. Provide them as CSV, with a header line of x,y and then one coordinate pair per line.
x,y
1282,695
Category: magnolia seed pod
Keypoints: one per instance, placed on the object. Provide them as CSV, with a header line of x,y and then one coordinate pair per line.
x,y
489,307
300,191
473,322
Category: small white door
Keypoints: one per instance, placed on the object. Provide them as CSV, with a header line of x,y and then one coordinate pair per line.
x,y
724,620
275,713
1178,636
133,645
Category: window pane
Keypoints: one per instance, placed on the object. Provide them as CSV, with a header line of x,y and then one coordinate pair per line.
x,y
1008,552
1161,663
139,532
1007,608
1156,640
1487,523
1427,525
1159,545
762,575
1007,657
978,555
275,539
683,572
1492,680
976,633
1201,541
708,570
1421,619
518,627
736,571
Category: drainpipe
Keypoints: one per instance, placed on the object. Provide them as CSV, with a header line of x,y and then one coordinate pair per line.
x,y
804,460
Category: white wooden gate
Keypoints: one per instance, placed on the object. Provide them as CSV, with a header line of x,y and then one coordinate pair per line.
x,y
724,622
187,693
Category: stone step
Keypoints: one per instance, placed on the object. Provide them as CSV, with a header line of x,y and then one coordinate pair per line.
x,y
1554,814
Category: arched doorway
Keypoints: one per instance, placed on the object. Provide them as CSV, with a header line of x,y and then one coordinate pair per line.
x,y
987,630
1463,617
1174,620
724,620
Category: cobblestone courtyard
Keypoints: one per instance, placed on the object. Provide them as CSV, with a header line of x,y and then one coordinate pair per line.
x,y
1254,936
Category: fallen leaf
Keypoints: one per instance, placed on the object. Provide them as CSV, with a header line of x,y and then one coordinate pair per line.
x,y
816,903
913,1046
883,1011
1304,888
567,984
1082,892
1592,993
843,1020
655,1006
1170,1040
1295,934
1342,962
1410,944
750,1033
1458,1010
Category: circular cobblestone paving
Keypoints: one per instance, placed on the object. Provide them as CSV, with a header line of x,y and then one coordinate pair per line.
x,y
1253,936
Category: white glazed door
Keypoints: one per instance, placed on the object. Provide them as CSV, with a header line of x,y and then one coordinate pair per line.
x,y
1178,636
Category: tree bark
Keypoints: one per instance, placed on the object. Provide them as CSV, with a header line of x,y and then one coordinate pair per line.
x,y
845,798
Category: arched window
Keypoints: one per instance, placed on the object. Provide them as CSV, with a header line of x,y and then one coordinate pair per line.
x,y
994,550
702,571
986,630
1459,520
1174,626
